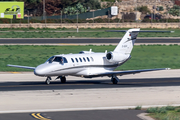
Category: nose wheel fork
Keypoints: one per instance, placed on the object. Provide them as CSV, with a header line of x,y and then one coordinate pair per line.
x,y
48,79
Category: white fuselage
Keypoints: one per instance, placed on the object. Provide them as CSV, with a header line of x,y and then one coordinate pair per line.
x,y
84,65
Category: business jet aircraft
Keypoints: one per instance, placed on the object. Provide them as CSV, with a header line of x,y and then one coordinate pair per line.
x,y
89,64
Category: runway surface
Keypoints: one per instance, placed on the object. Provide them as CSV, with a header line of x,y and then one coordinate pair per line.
x,y
89,84
26,96
20,81
82,40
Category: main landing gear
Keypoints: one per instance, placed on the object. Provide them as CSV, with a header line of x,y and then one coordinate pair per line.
x,y
62,78
114,79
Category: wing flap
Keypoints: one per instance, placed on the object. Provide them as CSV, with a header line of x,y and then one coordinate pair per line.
x,y
25,67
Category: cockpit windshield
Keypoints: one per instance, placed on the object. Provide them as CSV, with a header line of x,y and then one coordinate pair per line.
x,y
50,60
60,59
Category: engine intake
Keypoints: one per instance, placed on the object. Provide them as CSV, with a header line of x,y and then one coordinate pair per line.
x,y
115,57
109,56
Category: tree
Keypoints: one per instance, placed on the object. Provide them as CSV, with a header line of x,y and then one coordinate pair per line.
x,y
174,10
93,4
143,9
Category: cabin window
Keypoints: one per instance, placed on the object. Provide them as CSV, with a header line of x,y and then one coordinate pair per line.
x,y
88,59
84,59
72,60
80,59
76,59
92,59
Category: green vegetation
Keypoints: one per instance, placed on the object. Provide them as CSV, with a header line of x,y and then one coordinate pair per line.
x,y
165,113
108,1
143,9
75,10
174,10
82,7
159,8
143,56
64,33
138,108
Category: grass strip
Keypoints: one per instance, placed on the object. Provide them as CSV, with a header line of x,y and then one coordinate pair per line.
x,y
143,56
65,33
164,113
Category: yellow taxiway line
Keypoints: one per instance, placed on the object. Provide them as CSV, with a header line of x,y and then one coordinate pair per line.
x,y
15,72
39,117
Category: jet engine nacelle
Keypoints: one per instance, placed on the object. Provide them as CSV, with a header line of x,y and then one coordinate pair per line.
x,y
115,57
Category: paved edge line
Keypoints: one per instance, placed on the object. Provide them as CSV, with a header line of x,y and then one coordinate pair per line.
x,y
144,116
83,109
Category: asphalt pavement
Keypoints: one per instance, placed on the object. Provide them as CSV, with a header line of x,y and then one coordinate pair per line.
x,y
76,115
89,84
83,40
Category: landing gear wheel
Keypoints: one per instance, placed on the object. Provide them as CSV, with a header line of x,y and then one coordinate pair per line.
x,y
114,81
48,80
63,79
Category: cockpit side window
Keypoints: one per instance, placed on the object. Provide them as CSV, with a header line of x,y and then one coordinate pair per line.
x,y
65,60
58,59
61,60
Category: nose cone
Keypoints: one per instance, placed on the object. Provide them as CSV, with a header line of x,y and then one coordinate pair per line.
x,y
40,70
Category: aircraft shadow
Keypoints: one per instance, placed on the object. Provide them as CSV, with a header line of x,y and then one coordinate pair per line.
x,y
89,84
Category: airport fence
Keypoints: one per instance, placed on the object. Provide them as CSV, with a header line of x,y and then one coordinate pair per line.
x,y
98,16
86,15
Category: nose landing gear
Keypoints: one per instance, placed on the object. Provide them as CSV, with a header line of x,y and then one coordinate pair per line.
x,y
48,80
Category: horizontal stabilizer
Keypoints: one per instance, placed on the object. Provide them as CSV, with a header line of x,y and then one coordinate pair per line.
x,y
25,67
163,31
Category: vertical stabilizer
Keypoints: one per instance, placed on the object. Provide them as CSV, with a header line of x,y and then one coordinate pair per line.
x,y
126,44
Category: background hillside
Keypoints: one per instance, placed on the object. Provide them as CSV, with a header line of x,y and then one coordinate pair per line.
x,y
54,7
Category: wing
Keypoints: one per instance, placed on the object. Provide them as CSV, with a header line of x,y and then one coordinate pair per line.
x,y
127,72
25,67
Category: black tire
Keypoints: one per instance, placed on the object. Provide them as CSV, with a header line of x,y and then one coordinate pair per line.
x,y
63,79
48,81
114,81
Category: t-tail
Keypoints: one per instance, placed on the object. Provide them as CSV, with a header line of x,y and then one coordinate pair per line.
x,y
123,50
126,44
